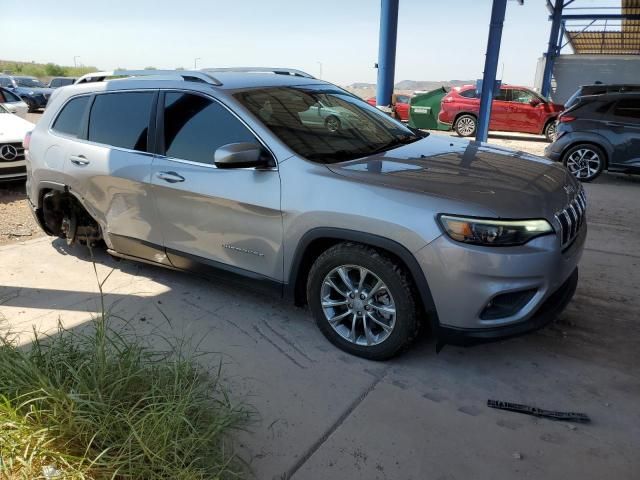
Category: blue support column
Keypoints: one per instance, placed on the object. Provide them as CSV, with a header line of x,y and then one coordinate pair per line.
x,y
387,51
490,67
552,50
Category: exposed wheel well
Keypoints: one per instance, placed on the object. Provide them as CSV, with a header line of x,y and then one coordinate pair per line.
x,y
64,216
594,144
318,245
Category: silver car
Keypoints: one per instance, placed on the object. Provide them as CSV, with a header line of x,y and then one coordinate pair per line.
x,y
380,229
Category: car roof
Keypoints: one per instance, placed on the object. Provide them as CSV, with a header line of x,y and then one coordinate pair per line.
x,y
238,80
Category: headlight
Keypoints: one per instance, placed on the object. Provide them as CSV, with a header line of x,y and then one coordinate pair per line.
x,y
498,233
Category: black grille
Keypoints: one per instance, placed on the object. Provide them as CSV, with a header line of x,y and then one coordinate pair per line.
x,y
18,148
572,218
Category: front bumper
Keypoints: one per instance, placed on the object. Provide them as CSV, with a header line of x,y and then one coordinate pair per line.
x,y
464,279
13,171
547,312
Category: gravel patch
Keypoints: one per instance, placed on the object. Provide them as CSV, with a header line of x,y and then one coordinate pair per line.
x,y
16,221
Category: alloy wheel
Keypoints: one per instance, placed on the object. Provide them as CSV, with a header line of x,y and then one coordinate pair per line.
x,y
584,163
466,126
358,305
332,124
551,132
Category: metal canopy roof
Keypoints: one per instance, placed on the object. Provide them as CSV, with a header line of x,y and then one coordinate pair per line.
x,y
604,29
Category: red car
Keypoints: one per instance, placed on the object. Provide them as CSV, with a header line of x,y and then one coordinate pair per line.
x,y
401,106
515,109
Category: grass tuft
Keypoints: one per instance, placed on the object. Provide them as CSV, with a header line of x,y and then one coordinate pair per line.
x,y
98,404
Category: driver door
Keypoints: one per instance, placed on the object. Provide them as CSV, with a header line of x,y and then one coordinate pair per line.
x,y
228,218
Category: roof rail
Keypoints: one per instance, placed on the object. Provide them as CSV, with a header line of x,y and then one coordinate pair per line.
x,y
186,75
279,71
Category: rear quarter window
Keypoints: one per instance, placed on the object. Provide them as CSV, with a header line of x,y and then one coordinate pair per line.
x,y
471,93
69,120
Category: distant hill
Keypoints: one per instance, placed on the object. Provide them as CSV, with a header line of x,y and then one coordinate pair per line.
x,y
367,90
430,84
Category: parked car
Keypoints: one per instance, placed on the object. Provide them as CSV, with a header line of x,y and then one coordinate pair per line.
x,y
599,89
400,105
13,103
13,130
515,109
57,82
599,132
378,229
331,116
29,89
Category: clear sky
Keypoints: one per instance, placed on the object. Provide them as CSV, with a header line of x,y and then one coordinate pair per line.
x,y
437,39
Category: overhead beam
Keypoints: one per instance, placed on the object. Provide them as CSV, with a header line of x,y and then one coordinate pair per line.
x,y
490,68
600,16
387,51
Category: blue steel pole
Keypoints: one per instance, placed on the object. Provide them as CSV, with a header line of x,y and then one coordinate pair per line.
x,y
552,50
387,51
490,67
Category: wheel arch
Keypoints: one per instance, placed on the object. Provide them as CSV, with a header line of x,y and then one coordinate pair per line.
x,y
316,241
460,114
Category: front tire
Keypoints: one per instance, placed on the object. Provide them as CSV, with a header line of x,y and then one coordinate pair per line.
x,y
362,301
584,161
550,131
465,125
31,105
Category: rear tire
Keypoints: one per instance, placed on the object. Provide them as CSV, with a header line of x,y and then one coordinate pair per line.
x,y
351,313
332,123
465,125
584,161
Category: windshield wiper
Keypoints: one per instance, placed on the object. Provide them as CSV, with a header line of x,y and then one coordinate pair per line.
x,y
396,142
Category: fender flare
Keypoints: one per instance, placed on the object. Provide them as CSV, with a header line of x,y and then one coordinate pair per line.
x,y
397,249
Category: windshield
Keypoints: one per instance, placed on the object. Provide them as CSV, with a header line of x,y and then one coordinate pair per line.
x,y
325,124
28,82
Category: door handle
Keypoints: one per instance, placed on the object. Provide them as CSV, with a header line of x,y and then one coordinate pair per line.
x,y
171,177
79,160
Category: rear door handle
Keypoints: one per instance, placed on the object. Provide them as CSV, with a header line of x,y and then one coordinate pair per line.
x,y
79,160
171,177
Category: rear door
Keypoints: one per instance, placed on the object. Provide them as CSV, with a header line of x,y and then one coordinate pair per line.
x,y
500,114
227,218
109,166
624,125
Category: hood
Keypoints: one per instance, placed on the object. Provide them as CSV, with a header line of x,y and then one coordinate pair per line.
x,y
35,90
508,183
13,128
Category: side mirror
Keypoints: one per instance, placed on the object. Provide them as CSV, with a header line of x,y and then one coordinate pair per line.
x,y
535,102
242,155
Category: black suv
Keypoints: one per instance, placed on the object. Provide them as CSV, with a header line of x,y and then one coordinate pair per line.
x,y
599,89
599,132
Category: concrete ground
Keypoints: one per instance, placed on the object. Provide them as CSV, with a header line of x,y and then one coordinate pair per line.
x,y
323,414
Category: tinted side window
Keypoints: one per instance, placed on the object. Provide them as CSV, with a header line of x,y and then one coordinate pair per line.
x,y
69,120
195,127
121,119
11,97
628,108
5,82
503,96
471,93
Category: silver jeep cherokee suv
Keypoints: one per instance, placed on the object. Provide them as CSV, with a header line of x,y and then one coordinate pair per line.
x,y
294,184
